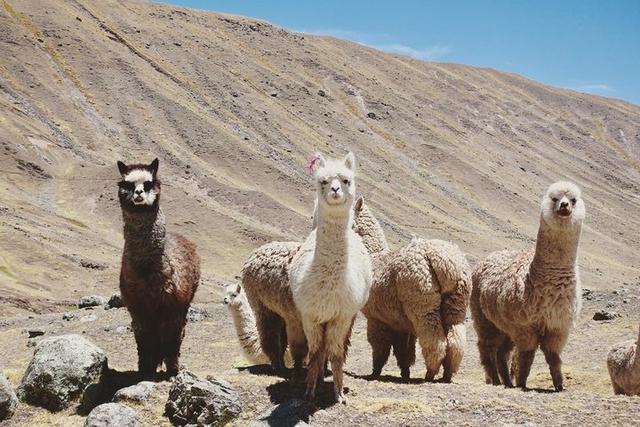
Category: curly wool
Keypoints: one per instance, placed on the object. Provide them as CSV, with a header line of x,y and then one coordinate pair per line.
x,y
245,324
623,363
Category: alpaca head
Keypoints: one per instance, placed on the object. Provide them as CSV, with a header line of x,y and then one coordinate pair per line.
x,y
335,182
367,226
233,296
139,189
562,205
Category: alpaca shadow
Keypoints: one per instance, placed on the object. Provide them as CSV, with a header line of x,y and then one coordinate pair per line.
x,y
109,383
387,379
540,390
285,391
284,373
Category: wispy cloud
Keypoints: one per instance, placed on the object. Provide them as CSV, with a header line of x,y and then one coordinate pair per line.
x,y
383,42
598,87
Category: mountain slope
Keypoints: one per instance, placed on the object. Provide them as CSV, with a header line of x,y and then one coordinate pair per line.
x,y
233,107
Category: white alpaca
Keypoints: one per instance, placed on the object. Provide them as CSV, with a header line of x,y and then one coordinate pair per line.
x,y
623,363
331,273
530,299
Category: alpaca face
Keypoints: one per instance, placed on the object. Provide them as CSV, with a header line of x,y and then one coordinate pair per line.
x,y
335,183
233,296
563,205
139,188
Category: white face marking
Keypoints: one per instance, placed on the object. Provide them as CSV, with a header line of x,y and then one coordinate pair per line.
x,y
563,203
140,196
335,181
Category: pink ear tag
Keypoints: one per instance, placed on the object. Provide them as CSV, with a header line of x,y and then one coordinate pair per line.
x,y
311,165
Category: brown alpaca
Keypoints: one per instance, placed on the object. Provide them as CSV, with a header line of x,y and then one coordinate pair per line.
x,y
160,271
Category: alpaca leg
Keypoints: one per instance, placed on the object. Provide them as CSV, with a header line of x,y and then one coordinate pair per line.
x,y
489,338
456,341
551,345
338,334
431,336
616,388
316,340
269,326
526,345
404,349
505,348
297,345
145,345
380,337
174,333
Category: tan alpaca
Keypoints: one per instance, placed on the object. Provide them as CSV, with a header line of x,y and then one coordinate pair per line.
x,y
530,299
623,363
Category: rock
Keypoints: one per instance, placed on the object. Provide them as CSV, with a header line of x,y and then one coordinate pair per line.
x,y
372,115
587,294
35,333
322,93
112,414
91,301
290,413
115,301
203,402
136,393
68,316
122,329
605,315
196,314
8,399
89,318
60,370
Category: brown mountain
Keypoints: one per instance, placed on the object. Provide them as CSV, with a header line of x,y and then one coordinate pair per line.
x,y
233,107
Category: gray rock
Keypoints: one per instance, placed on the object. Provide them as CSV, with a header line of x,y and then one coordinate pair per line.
x,y
587,294
136,393
91,301
122,329
112,415
203,402
196,314
35,333
605,315
68,316
89,318
115,301
60,370
291,413
8,399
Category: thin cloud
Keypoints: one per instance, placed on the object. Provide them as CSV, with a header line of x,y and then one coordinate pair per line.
x,y
599,87
427,54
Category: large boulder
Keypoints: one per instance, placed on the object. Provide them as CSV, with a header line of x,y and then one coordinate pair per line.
x,y
112,415
60,370
136,393
290,413
207,402
8,399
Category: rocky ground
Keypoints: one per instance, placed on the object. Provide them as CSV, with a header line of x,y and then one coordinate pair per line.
x,y
210,348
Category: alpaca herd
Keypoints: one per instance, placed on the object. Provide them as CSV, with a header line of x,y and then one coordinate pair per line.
x,y
296,303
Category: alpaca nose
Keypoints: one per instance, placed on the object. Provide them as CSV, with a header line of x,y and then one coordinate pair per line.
x,y
564,204
335,189
139,192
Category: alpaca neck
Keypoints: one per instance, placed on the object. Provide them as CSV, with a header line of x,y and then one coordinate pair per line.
x,y
243,319
556,249
144,236
332,230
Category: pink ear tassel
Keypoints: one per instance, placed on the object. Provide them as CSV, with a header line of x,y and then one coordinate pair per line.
x,y
311,165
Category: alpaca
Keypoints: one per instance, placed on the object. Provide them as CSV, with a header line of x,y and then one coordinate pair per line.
x,y
265,281
159,273
528,299
419,292
623,363
245,324
330,275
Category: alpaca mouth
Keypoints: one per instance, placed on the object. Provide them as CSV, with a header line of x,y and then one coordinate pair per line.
x,y
564,213
138,200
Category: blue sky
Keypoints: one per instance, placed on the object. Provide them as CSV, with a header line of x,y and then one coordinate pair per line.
x,y
586,45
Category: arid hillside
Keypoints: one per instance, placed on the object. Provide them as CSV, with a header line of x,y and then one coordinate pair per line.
x,y
233,107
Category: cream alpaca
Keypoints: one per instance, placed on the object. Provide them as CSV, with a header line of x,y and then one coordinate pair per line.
x,y
624,367
530,299
331,273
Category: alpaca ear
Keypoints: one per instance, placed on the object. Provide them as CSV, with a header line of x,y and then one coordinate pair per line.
x,y
350,161
320,162
359,204
124,169
153,167
239,288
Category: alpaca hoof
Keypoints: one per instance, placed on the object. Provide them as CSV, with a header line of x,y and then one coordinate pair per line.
x,y
445,380
310,395
560,388
405,374
341,398
429,377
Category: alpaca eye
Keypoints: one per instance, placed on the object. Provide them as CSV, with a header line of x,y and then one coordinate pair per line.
x,y
573,201
126,185
345,181
555,199
148,185
324,182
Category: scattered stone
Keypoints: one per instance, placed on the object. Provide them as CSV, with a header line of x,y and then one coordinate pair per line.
x,y
89,318
112,415
273,94
196,314
587,294
91,301
60,370
8,399
610,305
35,333
68,316
625,301
115,301
322,93
207,402
290,413
605,315
122,329
372,115
136,393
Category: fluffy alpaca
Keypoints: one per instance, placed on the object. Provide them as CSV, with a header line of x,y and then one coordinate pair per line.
x,y
420,291
330,275
530,299
245,324
623,362
265,280
160,271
